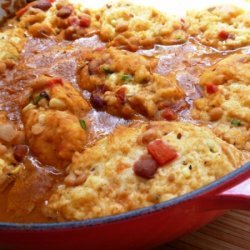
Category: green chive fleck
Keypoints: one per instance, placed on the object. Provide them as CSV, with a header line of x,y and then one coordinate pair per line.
x,y
83,124
37,99
179,37
43,94
127,78
107,70
236,122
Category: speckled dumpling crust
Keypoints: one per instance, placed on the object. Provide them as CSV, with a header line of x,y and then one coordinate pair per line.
x,y
124,83
131,26
52,121
228,110
223,27
101,180
226,100
12,40
11,43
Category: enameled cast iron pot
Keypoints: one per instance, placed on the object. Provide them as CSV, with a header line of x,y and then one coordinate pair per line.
x,y
139,229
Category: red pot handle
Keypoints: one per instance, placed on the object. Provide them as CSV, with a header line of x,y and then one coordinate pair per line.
x,y
237,197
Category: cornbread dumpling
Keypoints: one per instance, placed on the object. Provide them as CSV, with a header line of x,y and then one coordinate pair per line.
x,y
226,100
71,21
104,179
53,135
53,120
229,111
131,26
124,83
224,27
234,68
12,41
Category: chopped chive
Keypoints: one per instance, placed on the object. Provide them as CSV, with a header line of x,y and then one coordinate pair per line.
x,y
236,122
37,99
83,124
179,37
107,70
126,77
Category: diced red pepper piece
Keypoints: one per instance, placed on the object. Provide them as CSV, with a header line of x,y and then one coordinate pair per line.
x,y
22,11
169,114
223,35
85,21
54,81
211,88
161,152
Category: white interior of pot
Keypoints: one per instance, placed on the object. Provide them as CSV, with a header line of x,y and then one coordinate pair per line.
x,y
178,7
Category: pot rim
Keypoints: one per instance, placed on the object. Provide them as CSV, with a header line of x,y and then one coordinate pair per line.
x,y
127,215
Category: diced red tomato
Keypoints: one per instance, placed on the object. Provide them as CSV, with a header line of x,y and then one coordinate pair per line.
x,y
161,152
54,81
211,88
169,114
223,35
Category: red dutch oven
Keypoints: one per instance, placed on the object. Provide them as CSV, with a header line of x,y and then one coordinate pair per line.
x,y
138,229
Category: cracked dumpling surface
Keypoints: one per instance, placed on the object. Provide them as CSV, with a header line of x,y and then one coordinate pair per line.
x,y
234,68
